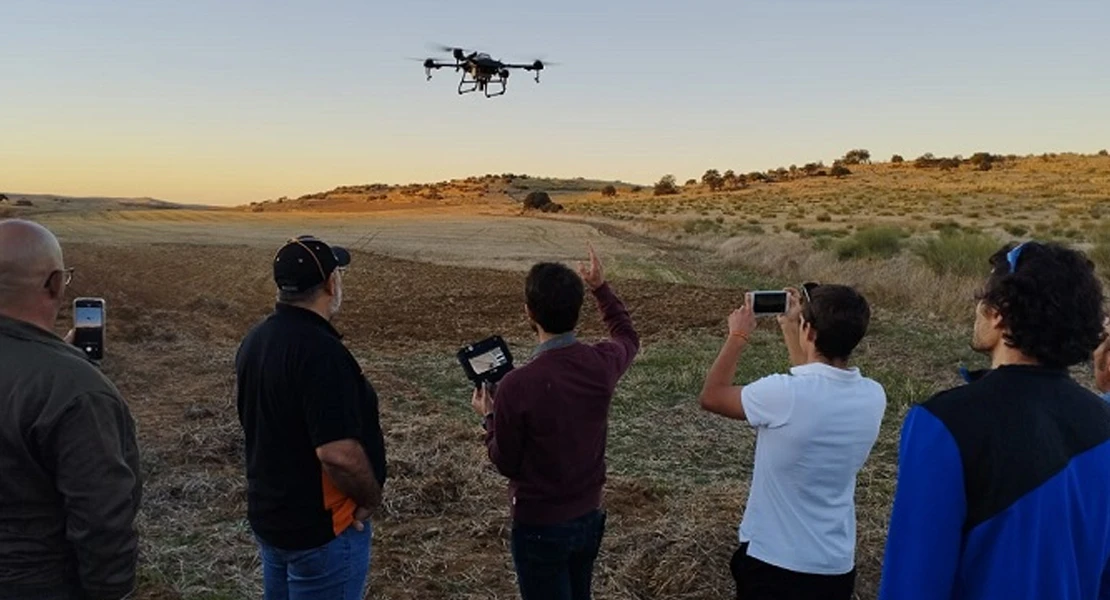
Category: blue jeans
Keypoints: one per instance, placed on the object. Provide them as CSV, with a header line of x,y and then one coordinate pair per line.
x,y
334,571
556,562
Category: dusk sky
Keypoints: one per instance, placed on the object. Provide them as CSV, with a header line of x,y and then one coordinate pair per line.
x,y
227,102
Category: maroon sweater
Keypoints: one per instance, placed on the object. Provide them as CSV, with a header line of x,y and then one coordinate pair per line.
x,y
551,419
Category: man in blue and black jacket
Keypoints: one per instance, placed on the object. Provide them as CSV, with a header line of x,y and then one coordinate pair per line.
x,y
1004,484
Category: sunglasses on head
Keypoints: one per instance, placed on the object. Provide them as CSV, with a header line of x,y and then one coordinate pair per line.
x,y
807,289
1013,255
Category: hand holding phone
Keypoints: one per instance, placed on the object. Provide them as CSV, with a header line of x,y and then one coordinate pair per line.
x,y
88,326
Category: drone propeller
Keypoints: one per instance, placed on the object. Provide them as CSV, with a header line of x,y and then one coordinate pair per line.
x,y
458,53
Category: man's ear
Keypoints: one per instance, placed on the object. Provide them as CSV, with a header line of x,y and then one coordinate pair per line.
x,y
809,331
993,316
56,285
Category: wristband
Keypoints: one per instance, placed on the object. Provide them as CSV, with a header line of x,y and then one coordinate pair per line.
x,y
739,334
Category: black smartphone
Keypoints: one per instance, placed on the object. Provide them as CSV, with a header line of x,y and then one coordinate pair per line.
x,y
769,302
88,326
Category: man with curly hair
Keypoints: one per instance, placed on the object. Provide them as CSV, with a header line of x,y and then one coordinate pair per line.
x,y
1004,484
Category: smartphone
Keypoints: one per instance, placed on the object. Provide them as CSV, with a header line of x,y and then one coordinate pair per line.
x,y
88,326
766,302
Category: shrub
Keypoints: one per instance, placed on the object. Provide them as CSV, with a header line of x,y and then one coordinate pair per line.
x,y
824,218
666,186
871,242
636,189
1018,230
24,203
855,157
958,252
897,159
536,199
713,179
1103,152
840,171
609,191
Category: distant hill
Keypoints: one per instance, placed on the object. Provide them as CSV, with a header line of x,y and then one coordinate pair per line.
x,y
18,204
505,190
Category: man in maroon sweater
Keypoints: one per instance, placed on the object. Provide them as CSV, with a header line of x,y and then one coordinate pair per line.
x,y
546,427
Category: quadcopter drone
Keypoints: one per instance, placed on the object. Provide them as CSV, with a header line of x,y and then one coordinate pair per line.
x,y
480,71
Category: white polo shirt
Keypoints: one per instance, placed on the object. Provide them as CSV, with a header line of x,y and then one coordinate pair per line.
x,y
816,428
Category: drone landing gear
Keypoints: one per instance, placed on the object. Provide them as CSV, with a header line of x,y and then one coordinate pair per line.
x,y
481,84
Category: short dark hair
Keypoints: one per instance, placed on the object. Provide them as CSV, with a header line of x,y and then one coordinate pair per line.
x,y
554,294
1051,303
839,315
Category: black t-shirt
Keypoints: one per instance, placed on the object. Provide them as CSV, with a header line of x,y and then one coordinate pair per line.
x,y
299,388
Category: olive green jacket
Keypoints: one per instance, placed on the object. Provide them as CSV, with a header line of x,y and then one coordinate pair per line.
x,y
70,484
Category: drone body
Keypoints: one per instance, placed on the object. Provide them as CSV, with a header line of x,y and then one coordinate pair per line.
x,y
480,71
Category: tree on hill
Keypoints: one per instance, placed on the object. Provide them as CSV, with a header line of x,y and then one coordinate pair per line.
x,y
691,182
1103,152
729,179
3,198
812,168
666,186
609,191
712,179
855,157
897,159
839,170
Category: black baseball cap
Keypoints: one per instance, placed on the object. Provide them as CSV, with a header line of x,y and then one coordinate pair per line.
x,y
305,262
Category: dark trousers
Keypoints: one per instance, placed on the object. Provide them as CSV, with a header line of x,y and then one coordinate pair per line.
x,y
757,580
556,562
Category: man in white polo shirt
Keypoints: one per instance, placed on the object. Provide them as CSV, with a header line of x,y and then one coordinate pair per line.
x,y
815,429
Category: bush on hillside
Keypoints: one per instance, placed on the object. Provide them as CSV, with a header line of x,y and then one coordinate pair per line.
x,y
871,242
609,191
957,252
856,157
839,171
665,186
541,201
1103,152
897,158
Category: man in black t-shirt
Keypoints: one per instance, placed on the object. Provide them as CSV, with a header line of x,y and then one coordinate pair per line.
x,y
314,449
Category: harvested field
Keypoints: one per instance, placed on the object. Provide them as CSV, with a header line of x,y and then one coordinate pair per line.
x,y
678,477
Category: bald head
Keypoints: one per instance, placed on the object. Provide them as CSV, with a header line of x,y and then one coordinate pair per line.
x,y
29,253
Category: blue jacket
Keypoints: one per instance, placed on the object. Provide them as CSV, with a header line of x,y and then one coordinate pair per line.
x,y
1003,493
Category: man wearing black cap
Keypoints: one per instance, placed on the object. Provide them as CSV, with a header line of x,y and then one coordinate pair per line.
x,y
314,449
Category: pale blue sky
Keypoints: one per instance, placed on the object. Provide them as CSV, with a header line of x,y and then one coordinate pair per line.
x,y
233,101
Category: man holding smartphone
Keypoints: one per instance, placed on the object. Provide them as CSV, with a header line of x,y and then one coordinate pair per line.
x,y
70,484
315,454
546,429
814,430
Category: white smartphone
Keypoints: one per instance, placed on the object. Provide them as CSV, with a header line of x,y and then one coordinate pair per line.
x,y
769,302
88,326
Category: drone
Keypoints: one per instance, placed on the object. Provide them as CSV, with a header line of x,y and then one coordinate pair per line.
x,y
480,72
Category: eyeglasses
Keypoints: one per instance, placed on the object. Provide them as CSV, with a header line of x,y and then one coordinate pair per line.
x,y
66,273
1013,255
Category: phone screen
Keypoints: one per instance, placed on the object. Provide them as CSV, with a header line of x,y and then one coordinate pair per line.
x,y
88,326
88,316
488,360
769,302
